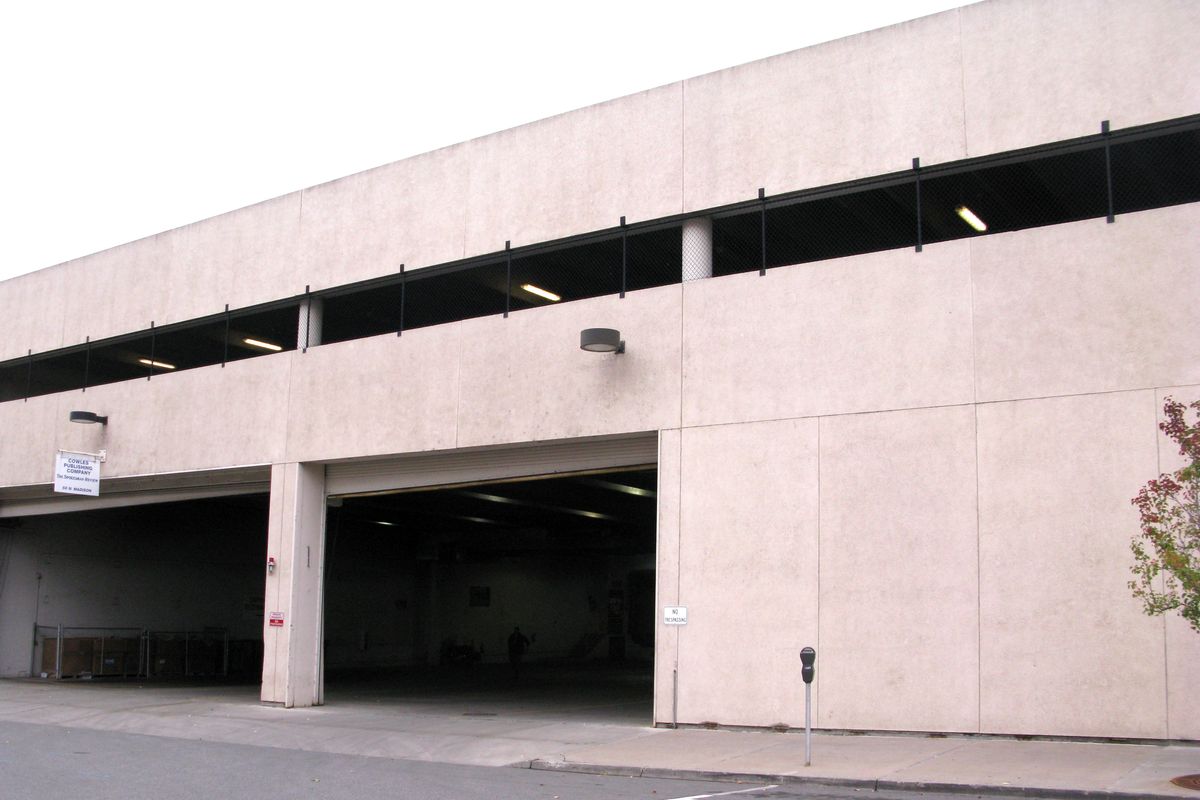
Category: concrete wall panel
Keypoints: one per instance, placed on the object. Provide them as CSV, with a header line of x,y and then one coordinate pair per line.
x,y
385,394
30,321
842,110
1038,72
748,566
576,172
213,417
133,409
242,258
899,571
410,212
111,292
1088,306
525,379
875,332
1064,648
30,439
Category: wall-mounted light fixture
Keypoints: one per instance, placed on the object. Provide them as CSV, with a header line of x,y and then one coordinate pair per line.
x,y
601,340
88,418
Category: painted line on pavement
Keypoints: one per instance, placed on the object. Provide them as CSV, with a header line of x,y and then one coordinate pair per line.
x,y
726,794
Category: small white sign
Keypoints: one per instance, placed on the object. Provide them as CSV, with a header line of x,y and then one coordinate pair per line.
x,y
276,619
675,615
77,473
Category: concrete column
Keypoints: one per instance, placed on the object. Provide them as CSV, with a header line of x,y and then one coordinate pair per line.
x,y
292,657
697,248
308,332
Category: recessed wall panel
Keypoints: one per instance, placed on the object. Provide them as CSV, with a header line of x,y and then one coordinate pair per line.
x,y
1088,306
838,111
867,333
748,571
1039,72
899,571
1064,648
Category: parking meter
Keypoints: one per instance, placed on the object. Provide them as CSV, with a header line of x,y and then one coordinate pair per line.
x,y
808,658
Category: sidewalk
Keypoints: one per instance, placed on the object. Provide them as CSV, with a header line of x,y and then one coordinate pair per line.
x,y
531,728
902,762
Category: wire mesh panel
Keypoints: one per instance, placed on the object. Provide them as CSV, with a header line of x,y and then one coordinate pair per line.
x,y
262,332
1140,180
434,298
59,371
370,311
654,258
1043,191
14,379
567,273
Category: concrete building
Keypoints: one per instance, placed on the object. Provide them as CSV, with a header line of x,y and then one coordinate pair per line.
x,y
843,417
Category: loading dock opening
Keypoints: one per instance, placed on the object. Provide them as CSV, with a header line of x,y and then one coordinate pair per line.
x,y
161,591
424,588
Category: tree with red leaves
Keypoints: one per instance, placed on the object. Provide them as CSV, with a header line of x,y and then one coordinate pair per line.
x,y
1169,543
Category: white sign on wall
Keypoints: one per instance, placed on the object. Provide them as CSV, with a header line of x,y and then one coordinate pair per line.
x,y
77,473
675,615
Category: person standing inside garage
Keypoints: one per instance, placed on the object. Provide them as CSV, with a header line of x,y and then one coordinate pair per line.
x,y
518,643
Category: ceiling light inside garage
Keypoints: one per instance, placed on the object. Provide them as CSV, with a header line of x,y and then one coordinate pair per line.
x,y
969,217
540,292
159,364
259,343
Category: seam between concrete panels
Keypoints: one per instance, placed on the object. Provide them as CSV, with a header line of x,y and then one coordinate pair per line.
x,y
962,74
817,699
978,587
1158,463
682,148
894,409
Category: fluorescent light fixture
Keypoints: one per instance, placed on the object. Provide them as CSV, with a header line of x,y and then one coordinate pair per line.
x,y
159,364
969,217
274,348
636,491
540,292
482,520
384,522
493,498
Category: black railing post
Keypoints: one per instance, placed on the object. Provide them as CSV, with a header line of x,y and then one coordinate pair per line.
x,y
1108,168
917,170
507,276
762,229
151,359
307,317
403,281
624,255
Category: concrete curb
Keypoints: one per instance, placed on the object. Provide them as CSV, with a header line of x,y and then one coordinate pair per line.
x,y
842,783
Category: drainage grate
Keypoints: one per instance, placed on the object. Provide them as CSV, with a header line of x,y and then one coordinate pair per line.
x,y
1187,782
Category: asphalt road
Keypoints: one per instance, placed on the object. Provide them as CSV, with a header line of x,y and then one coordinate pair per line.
x,y
46,762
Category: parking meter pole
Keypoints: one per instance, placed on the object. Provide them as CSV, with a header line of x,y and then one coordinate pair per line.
x,y
808,658
808,724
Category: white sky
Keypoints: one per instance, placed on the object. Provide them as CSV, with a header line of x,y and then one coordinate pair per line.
x,y
122,119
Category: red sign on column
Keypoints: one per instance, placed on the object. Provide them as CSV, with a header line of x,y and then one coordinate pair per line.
x,y
276,619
